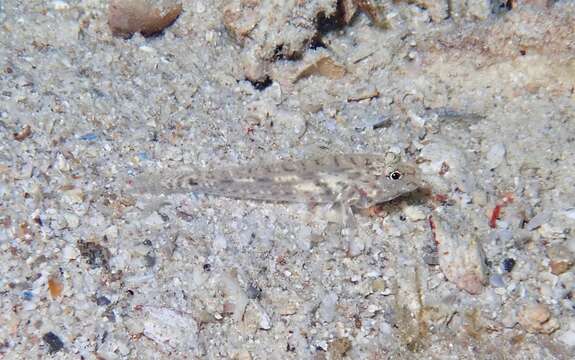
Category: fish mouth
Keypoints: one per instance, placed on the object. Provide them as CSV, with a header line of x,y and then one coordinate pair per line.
x,y
421,185
412,187
420,188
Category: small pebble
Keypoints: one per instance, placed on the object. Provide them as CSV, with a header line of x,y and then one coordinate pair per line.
x,y
265,321
385,329
89,137
290,122
149,260
95,254
505,235
142,155
507,265
430,256
568,338
70,253
73,221
495,155
253,292
55,287
128,17
102,301
200,7
242,355
551,231
53,341
479,198
431,259
321,345
339,348
60,5
73,196
220,243
559,267
496,281
154,220
538,220
378,285
373,274
415,213
23,134
371,308
327,308
288,309
560,292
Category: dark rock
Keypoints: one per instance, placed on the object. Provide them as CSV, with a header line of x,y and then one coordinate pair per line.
x,y
53,341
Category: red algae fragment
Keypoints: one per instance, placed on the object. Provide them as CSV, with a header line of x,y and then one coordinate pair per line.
x,y
496,213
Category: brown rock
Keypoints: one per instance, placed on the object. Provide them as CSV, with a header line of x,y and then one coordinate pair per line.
x,y
536,318
339,347
561,259
23,134
559,267
126,17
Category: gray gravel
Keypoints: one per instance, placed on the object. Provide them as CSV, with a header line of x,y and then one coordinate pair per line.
x,y
480,266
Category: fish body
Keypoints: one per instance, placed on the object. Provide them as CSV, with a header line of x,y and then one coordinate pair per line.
x,y
355,180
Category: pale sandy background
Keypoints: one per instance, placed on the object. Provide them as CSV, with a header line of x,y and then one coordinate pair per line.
x,y
480,95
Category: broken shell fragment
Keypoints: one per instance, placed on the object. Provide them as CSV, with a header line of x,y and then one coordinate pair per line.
x,y
461,256
323,66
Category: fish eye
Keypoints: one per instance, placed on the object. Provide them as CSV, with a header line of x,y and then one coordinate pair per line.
x,y
395,175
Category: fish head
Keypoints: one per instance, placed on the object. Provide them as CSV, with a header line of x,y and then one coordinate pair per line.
x,y
392,179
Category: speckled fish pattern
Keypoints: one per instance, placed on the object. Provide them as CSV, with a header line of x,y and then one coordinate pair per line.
x,y
358,180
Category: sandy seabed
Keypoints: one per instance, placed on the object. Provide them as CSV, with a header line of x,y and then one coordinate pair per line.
x,y
479,267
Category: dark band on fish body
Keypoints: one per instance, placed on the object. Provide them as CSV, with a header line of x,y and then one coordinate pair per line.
x,y
324,186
